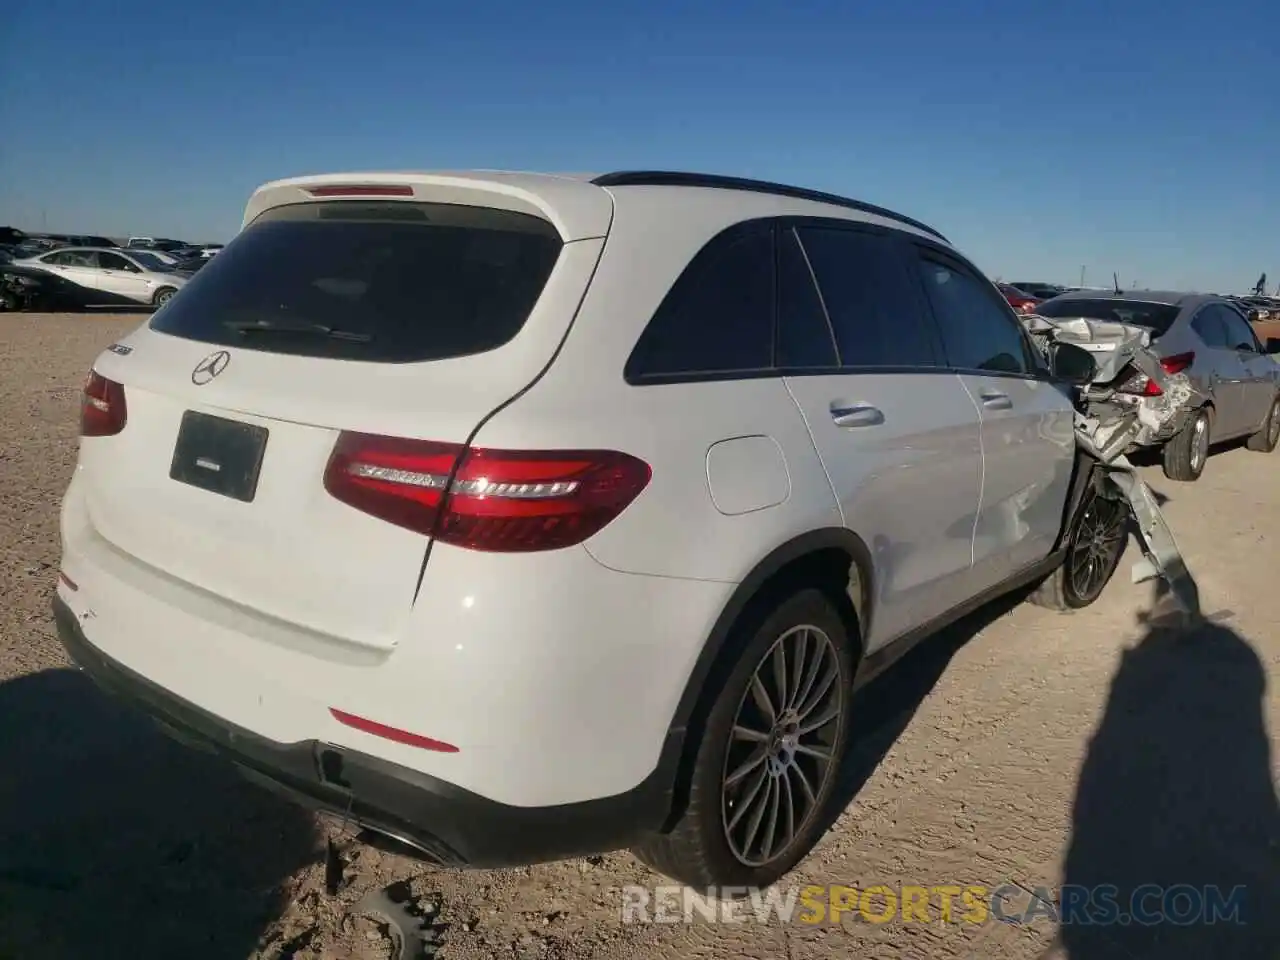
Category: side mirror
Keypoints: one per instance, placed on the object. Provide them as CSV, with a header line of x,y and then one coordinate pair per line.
x,y
1273,344
1072,364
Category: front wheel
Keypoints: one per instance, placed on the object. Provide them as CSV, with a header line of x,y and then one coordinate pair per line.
x,y
1265,440
769,754
162,296
1095,543
1186,454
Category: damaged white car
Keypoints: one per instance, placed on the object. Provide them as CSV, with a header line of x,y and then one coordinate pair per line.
x,y
1224,386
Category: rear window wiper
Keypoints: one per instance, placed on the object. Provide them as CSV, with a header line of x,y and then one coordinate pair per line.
x,y
295,327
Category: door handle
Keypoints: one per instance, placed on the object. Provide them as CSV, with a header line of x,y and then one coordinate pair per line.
x,y
996,401
855,414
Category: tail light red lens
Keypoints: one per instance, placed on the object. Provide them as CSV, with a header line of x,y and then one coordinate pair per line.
x,y
1144,386
102,407
510,501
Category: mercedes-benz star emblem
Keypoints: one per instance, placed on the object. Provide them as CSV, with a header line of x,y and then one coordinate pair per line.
x,y
210,367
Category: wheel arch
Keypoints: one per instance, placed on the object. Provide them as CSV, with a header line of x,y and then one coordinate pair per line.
x,y
834,559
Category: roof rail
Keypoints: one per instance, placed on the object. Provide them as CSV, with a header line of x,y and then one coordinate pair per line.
x,y
672,178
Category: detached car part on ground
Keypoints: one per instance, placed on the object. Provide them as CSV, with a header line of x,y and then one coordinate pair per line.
x,y
1111,422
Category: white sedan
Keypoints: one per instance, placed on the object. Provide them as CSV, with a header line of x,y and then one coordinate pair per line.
x,y
117,275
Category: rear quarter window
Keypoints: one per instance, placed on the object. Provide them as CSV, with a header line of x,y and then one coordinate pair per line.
x,y
388,282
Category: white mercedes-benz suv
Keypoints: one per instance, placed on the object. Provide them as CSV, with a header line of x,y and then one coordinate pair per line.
x,y
524,516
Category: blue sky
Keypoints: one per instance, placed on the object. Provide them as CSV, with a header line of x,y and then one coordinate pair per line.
x,y
1141,137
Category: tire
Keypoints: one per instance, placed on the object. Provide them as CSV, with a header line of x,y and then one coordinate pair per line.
x,y
1187,452
710,845
1099,532
1265,440
162,296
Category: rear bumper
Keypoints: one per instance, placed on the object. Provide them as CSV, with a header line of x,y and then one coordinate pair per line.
x,y
443,822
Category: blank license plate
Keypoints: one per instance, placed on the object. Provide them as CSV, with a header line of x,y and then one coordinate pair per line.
x,y
219,455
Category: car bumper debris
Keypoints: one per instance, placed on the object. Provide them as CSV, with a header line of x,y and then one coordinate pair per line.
x,y
1109,424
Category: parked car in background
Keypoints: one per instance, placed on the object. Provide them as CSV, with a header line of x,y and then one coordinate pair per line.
x,y
113,275
1019,299
31,288
190,265
156,243
499,369
78,240
154,256
1041,291
1267,331
1207,338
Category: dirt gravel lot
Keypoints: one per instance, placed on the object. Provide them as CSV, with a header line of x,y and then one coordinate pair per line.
x,y
1024,747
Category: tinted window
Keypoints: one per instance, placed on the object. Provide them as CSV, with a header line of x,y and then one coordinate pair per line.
x,y
1208,324
978,332
397,282
1156,317
113,261
71,258
717,317
867,292
1239,333
148,260
805,338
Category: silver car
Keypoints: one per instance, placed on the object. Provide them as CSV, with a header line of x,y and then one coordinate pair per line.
x,y
1209,339
113,276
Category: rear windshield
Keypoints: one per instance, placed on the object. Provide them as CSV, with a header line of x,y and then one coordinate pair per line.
x,y
383,281
1156,317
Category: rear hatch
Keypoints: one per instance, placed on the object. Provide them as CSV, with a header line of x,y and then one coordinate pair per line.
x,y
393,317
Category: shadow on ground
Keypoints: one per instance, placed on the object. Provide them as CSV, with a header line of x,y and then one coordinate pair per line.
x,y
117,843
1177,789
884,708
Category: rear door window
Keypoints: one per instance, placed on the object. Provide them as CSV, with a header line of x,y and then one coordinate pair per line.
x,y
868,295
388,282
717,319
1208,324
805,338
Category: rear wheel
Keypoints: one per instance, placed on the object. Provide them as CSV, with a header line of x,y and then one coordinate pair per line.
x,y
162,296
1095,544
1265,440
1186,454
769,754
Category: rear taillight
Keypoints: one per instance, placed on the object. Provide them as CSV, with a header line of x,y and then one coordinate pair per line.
x,y
497,500
1144,386
102,409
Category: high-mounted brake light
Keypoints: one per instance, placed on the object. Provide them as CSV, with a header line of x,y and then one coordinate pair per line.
x,y
362,190
102,407
1144,386
510,501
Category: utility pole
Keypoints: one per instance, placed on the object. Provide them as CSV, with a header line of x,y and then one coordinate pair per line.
x,y
1082,276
